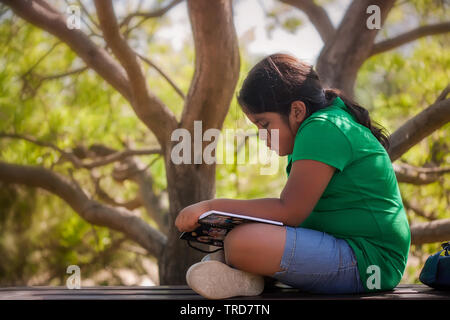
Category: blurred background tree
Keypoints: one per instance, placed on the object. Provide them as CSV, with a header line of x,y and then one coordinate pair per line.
x,y
58,114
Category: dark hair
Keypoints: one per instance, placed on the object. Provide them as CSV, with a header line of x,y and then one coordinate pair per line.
x,y
280,79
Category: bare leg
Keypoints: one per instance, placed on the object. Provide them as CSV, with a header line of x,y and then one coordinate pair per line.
x,y
255,248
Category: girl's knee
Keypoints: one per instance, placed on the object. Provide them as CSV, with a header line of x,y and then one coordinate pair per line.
x,y
235,241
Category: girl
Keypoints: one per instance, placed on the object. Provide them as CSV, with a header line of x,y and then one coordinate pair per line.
x,y
345,229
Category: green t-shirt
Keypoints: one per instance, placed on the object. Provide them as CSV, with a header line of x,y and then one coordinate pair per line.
x,y
362,202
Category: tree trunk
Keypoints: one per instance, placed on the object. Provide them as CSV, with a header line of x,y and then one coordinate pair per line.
x,y
217,65
186,184
343,54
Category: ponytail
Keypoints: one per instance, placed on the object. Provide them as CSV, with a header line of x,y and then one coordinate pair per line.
x,y
362,116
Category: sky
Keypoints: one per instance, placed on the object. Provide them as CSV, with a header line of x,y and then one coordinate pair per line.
x,y
250,19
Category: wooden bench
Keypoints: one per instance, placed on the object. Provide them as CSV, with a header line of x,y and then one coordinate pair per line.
x,y
402,292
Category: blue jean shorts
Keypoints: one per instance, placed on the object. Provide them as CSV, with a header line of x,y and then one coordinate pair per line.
x,y
317,262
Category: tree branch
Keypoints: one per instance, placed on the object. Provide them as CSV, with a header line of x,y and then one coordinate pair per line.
x,y
419,176
429,232
409,36
317,15
419,127
132,169
88,14
66,155
61,75
345,52
32,81
418,211
45,55
153,14
108,158
118,219
152,111
119,156
163,74
102,194
216,64
120,48
443,94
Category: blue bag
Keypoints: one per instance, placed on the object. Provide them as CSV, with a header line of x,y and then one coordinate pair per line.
x,y
436,271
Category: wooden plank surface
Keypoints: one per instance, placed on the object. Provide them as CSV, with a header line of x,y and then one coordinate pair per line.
x,y
408,292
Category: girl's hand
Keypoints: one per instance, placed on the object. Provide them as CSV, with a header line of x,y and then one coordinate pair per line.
x,y
187,219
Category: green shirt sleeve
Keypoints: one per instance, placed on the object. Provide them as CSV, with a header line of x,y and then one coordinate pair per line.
x,y
323,141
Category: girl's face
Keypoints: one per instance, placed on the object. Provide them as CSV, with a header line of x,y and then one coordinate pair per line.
x,y
287,127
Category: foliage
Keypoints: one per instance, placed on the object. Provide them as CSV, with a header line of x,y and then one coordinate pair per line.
x,y
40,234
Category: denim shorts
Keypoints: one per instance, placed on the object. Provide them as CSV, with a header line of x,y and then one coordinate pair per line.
x,y
317,262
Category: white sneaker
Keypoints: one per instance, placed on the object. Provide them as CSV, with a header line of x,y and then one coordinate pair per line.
x,y
216,280
216,256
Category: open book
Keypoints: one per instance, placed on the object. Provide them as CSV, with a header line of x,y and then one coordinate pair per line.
x,y
214,226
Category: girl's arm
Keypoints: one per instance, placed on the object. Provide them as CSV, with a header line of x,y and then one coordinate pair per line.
x,y
307,181
306,184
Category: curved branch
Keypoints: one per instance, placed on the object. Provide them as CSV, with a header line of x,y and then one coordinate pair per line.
x,y
443,94
152,111
107,158
153,14
429,232
216,64
119,47
337,65
62,74
419,127
418,211
419,176
87,13
102,194
317,15
409,36
118,219
119,156
132,169
66,155
163,74
42,58
33,81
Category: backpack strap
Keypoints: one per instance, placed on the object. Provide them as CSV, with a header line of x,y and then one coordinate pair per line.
x,y
446,246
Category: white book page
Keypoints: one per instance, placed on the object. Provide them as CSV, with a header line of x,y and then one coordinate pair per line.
x,y
207,213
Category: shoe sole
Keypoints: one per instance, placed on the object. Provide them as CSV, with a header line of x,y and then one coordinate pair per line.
x,y
216,280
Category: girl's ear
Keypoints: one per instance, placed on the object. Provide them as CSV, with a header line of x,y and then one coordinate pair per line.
x,y
296,116
298,111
